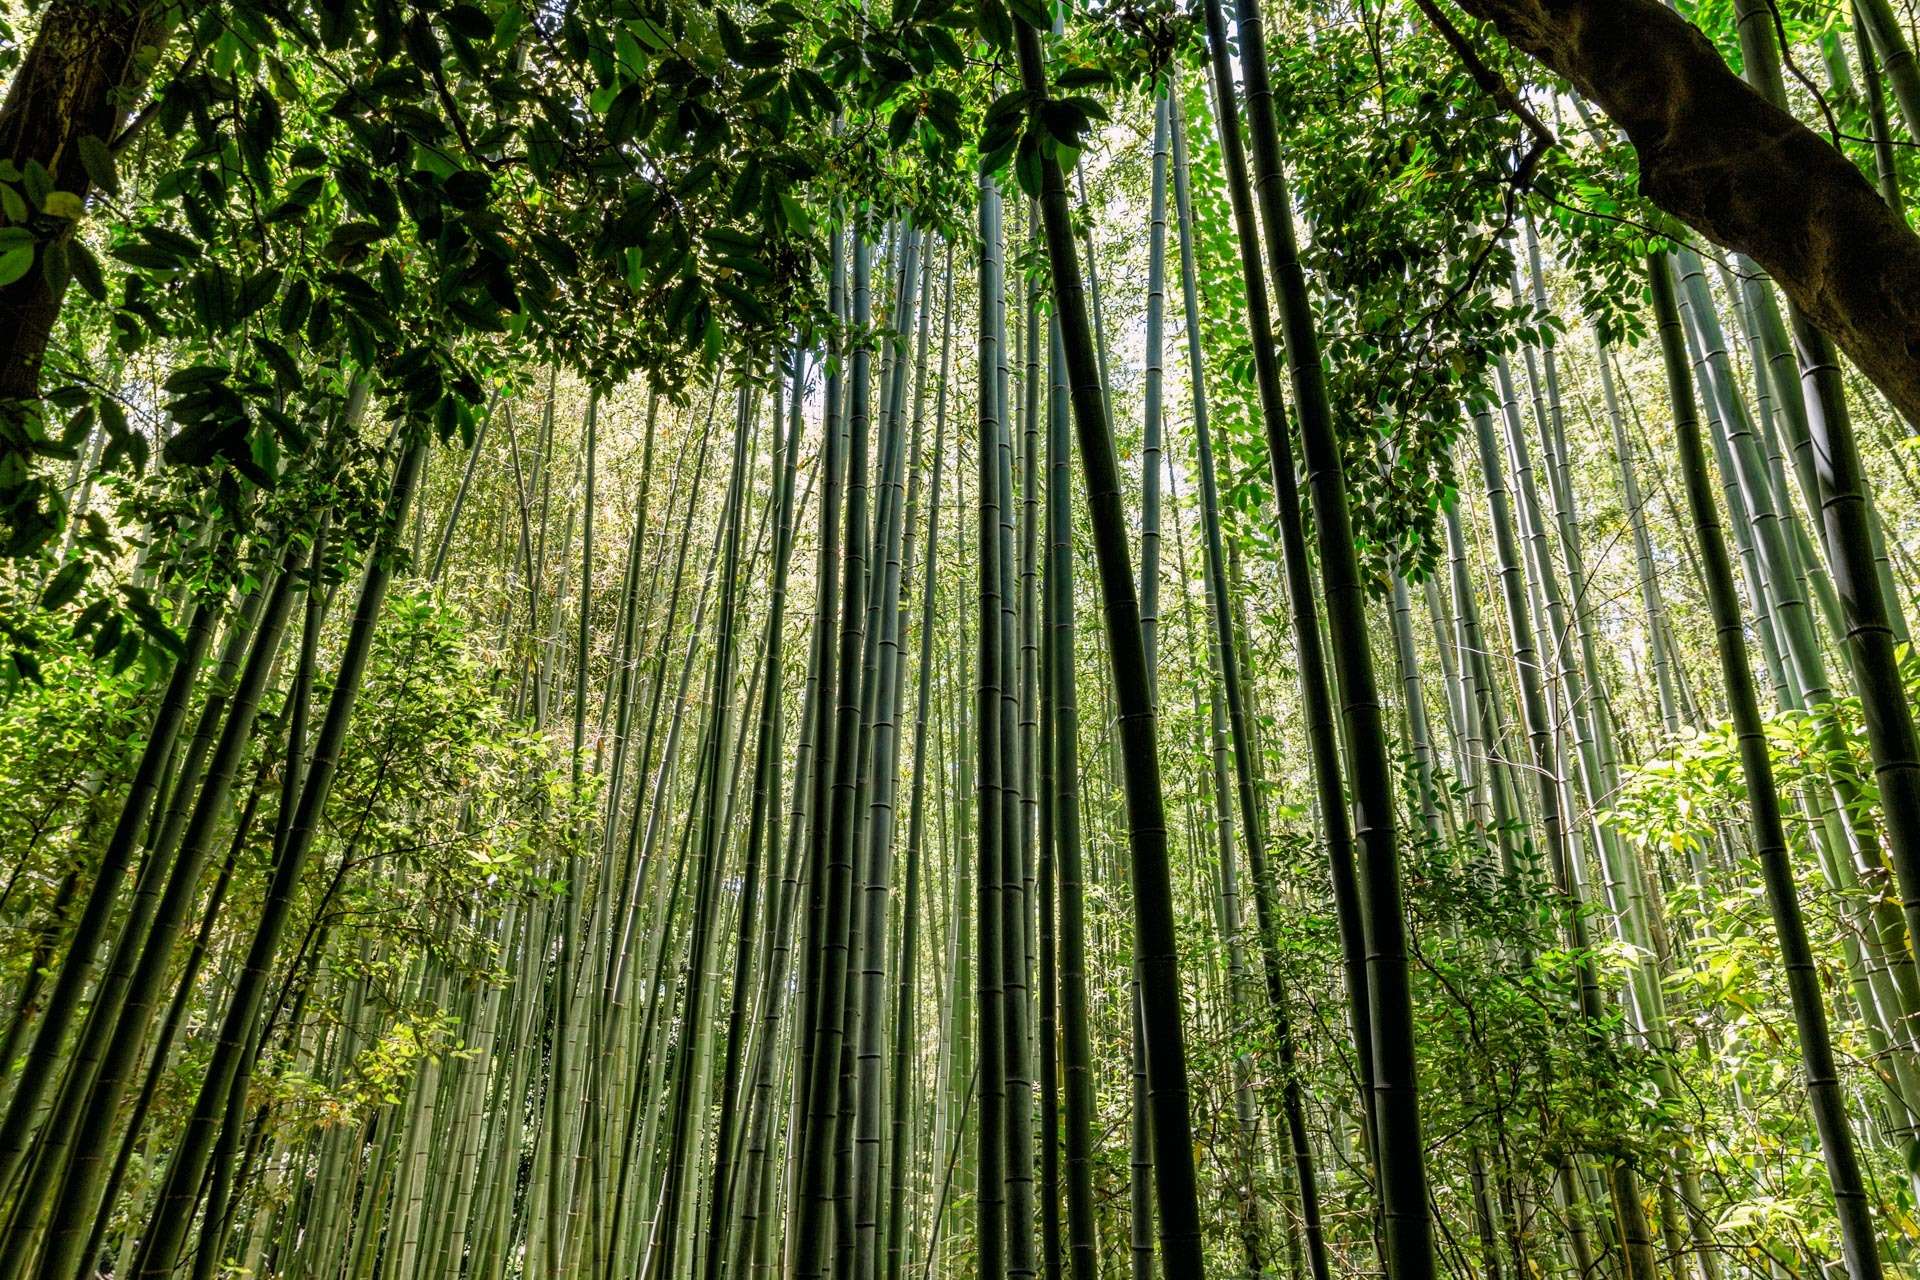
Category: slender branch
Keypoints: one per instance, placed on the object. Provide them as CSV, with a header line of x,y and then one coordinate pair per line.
x,y
1494,86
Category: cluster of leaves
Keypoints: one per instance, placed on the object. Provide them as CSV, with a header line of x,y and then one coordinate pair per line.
x,y
1404,180
57,738
1498,1010
424,197
1732,989
439,806
1681,800
438,819
301,203
666,151
191,537
315,200
1239,441
1601,231
1412,183
378,1075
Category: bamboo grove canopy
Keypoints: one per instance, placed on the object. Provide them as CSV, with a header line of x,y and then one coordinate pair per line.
x,y
677,638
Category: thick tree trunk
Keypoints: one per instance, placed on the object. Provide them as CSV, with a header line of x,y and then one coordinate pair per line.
x,y
1745,174
86,59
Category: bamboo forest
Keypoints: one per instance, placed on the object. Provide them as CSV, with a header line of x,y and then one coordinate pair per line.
x,y
956,639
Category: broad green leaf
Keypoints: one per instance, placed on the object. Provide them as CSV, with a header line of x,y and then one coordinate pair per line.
x,y
65,584
86,269
65,204
14,263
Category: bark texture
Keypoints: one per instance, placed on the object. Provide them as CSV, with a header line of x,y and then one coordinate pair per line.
x,y
87,61
1718,156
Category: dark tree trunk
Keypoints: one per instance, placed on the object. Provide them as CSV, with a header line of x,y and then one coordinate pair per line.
x,y
83,68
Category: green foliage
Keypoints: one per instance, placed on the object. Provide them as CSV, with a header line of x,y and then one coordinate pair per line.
x,y
61,736
432,208
441,800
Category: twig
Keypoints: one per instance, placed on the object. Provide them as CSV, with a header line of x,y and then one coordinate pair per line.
x,y
1494,87
1786,56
